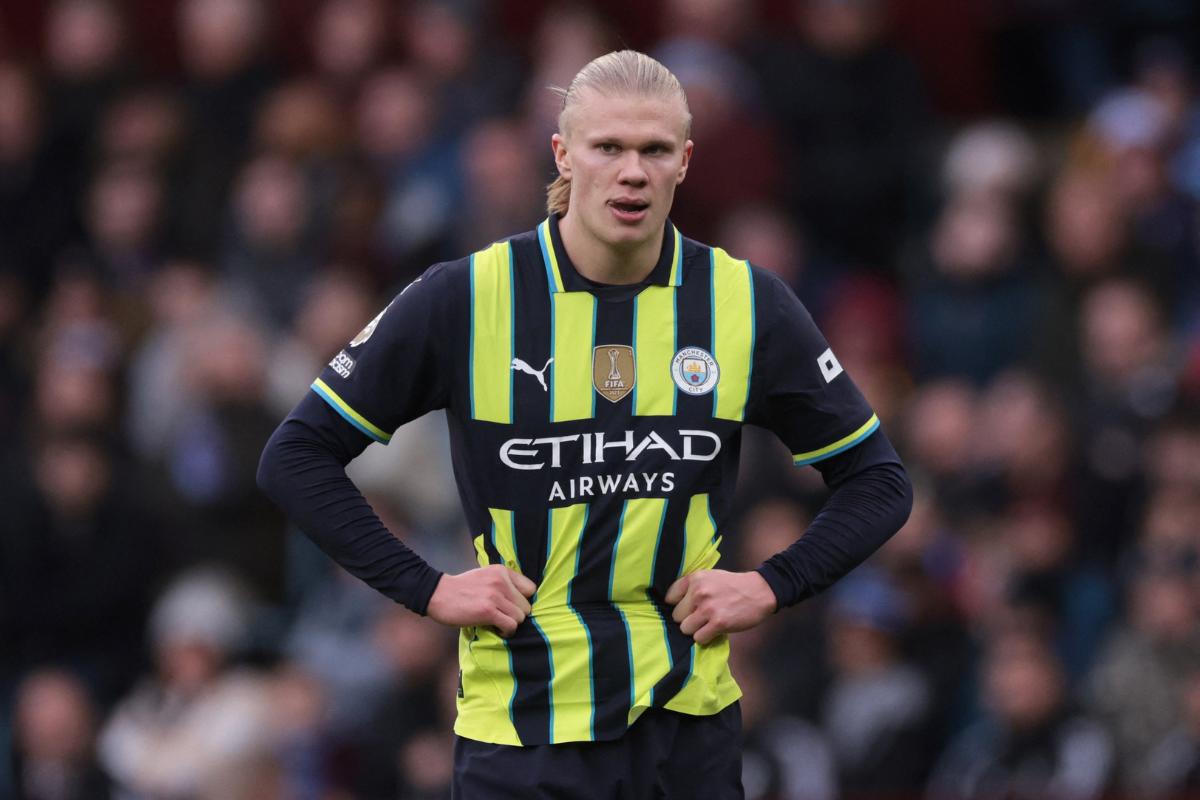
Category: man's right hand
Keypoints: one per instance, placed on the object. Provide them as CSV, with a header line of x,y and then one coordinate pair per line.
x,y
494,595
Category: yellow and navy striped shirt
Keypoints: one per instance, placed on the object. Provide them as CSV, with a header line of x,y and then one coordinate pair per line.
x,y
595,433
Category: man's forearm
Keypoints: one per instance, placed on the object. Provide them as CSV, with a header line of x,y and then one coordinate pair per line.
x,y
302,472
860,515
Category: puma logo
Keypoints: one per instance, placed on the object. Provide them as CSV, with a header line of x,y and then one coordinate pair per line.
x,y
520,366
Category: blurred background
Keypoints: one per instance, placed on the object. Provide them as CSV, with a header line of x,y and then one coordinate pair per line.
x,y
992,208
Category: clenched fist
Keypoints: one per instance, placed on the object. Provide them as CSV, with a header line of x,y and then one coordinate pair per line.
x,y
494,595
710,602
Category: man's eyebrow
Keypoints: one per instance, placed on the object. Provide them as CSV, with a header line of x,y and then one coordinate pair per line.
x,y
624,141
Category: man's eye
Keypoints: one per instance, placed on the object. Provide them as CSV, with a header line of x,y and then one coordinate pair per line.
x,y
608,148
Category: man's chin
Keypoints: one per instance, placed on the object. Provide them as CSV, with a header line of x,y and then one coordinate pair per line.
x,y
624,235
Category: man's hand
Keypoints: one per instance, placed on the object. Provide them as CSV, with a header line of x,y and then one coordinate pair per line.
x,y
493,595
710,602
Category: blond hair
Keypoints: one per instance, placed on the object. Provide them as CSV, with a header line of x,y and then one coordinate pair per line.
x,y
619,73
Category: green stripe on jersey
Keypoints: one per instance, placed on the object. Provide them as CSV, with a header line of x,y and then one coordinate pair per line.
x,y
492,334
841,445
710,686
572,700
631,576
574,321
488,686
733,333
326,393
701,542
677,260
654,343
504,537
553,273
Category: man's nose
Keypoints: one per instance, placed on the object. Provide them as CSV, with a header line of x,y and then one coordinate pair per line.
x,y
632,171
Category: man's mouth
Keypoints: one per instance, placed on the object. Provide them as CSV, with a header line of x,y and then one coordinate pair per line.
x,y
629,210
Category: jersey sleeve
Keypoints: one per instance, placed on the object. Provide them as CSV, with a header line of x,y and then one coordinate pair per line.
x,y
801,391
399,366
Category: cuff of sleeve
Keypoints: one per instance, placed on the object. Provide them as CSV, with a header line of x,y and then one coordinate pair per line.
x,y
426,584
786,592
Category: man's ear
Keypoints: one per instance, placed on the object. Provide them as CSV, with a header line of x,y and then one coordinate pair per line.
x,y
561,158
687,157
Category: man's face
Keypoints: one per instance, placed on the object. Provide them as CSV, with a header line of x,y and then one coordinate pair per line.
x,y
624,156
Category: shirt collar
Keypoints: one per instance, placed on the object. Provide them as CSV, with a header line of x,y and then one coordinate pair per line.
x,y
562,276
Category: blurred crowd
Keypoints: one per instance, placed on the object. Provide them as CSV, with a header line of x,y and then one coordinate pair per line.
x,y
991,208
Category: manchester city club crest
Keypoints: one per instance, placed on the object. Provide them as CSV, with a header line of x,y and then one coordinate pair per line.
x,y
695,371
613,371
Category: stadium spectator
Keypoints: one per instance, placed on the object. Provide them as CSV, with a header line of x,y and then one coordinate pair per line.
x,y
1173,767
407,744
502,189
217,516
54,740
876,712
69,591
1130,384
855,122
972,302
198,726
785,757
227,73
1032,743
471,76
38,191
1141,676
270,250
396,120
349,38
122,218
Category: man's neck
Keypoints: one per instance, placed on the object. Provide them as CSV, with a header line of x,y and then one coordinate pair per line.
x,y
601,263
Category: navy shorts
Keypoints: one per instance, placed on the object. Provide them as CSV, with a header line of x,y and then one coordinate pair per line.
x,y
664,755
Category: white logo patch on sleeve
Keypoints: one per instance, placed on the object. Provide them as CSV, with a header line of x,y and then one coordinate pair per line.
x,y
830,366
342,364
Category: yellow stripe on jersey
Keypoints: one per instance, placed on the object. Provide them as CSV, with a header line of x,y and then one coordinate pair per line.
x,y
733,333
677,260
504,538
488,687
654,345
701,543
572,704
574,321
347,413
488,681
481,556
553,273
710,687
631,576
845,443
492,334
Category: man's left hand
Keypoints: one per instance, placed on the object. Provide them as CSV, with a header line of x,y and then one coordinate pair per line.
x,y
710,602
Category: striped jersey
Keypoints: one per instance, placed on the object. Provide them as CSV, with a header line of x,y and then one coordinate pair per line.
x,y
595,433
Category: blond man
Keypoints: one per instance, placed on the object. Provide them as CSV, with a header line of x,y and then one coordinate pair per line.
x,y
596,372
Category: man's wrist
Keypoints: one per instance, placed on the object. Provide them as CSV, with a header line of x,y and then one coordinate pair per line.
x,y
425,587
763,592
778,583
